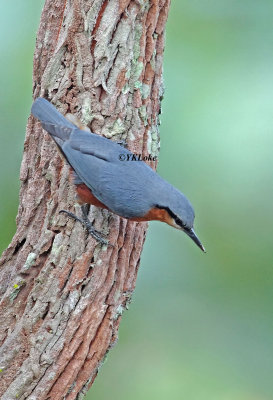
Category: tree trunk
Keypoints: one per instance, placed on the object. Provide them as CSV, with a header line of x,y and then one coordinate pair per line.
x,y
62,294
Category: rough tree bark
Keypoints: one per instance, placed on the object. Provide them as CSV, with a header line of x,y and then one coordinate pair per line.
x,y
62,294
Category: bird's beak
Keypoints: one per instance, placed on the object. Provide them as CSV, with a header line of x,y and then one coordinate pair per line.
x,y
193,236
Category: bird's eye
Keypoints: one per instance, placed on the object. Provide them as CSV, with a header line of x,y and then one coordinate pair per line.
x,y
179,222
175,218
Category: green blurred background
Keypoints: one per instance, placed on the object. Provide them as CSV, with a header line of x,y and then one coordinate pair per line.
x,y
200,325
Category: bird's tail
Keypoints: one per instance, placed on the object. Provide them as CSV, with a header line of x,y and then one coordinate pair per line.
x,y
52,121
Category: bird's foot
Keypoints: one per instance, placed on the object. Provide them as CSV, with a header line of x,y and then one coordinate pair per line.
x,y
87,224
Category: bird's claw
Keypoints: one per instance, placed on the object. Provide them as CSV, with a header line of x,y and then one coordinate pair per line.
x,y
88,226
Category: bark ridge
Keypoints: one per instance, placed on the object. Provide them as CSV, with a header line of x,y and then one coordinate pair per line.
x,y
62,294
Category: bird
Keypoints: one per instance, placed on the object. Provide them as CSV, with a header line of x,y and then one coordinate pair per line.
x,y
106,176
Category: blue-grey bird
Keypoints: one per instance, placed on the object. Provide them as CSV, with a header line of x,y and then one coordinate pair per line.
x,y
129,189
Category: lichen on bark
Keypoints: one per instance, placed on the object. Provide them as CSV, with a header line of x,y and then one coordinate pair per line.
x,y
62,294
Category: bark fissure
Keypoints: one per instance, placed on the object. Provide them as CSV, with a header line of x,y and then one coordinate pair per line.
x,y
62,294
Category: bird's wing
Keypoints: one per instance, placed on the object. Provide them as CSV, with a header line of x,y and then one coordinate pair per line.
x,y
125,187
95,145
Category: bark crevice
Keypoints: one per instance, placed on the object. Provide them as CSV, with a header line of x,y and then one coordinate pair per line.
x,y
62,294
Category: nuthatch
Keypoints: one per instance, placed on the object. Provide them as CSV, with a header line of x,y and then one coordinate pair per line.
x,y
129,189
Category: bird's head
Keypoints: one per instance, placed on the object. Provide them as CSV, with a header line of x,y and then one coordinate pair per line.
x,y
180,214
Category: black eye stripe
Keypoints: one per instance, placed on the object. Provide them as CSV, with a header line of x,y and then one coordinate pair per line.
x,y
176,219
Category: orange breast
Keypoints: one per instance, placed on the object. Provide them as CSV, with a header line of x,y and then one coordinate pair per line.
x,y
158,214
86,196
